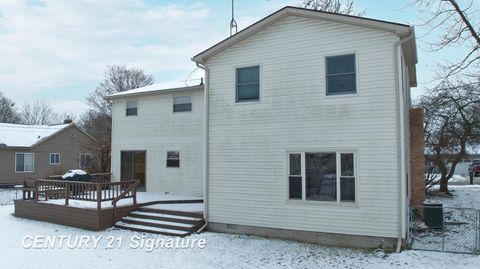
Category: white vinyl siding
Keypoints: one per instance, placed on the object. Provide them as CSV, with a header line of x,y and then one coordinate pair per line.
x,y
156,130
248,145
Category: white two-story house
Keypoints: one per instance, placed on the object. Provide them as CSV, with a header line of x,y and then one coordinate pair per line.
x,y
157,137
305,126
308,133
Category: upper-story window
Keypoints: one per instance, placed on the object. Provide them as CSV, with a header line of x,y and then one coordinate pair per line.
x,y
182,103
131,108
341,74
248,84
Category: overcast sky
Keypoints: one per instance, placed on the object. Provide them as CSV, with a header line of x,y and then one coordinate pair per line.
x,y
57,50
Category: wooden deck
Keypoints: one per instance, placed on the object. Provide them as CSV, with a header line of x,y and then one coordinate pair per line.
x,y
85,218
70,203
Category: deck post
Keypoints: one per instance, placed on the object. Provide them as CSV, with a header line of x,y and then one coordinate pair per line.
x,y
135,196
36,191
67,192
99,196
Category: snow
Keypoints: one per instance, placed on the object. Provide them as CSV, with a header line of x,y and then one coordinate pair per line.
x,y
221,251
18,135
142,197
194,207
460,216
73,172
177,86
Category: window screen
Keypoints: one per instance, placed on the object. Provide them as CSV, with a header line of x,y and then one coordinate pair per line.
x,y
173,159
341,75
248,84
131,108
182,103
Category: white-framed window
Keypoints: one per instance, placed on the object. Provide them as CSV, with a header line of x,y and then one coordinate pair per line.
x,y
182,103
173,159
132,108
322,176
54,158
86,160
248,84
341,74
24,162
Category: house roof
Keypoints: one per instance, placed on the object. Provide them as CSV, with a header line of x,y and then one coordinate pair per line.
x,y
402,30
25,136
154,88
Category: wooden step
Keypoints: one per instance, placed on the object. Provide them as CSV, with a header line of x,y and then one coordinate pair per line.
x,y
171,212
149,229
160,224
165,217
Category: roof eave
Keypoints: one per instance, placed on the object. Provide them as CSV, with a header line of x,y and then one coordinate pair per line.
x,y
399,29
160,91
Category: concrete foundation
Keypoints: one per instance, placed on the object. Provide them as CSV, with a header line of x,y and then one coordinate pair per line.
x,y
327,239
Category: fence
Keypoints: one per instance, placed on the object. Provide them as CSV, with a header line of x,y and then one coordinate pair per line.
x,y
446,229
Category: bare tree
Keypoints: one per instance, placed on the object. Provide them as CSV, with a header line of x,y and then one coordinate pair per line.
x,y
8,111
118,78
98,120
37,113
456,24
335,6
452,124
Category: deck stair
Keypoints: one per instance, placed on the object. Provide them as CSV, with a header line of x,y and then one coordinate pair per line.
x,y
170,221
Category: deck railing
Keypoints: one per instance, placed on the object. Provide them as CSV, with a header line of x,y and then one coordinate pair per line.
x,y
97,177
83,191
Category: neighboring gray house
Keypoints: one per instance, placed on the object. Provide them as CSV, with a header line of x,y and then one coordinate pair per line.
x,y
39,151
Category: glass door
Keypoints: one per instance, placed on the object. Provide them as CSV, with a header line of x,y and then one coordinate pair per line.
x,y
133,166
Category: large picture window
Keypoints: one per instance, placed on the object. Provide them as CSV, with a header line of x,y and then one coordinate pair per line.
x,y
341,74
24,162
248,84
321,176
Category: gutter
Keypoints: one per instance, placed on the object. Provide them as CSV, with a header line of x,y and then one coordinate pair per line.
x,y
400,136
205,145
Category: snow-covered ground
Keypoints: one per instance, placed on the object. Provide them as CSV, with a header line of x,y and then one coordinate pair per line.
x,y
7,195
459,232
221,251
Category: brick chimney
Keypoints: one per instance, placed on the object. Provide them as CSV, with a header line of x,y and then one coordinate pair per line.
x,y
417,157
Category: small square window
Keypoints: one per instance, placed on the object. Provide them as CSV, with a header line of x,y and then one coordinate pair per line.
x,y
182,103
131,108
86,160
173,159
54,158
248,84
341,75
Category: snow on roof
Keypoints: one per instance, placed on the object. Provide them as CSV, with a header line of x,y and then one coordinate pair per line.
x,y
19,135
160,87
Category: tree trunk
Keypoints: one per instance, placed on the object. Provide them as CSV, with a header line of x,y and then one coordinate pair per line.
x,y
444,184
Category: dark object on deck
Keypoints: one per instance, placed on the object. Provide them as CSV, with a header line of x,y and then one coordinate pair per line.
x,y
72,176
433,215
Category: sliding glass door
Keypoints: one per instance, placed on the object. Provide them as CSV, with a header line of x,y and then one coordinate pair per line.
x,y
133,166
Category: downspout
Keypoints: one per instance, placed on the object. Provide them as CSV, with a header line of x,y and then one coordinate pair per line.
x,y
205,146
400,136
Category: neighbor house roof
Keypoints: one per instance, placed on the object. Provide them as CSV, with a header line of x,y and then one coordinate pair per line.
x,y
25,136
154,88
402,30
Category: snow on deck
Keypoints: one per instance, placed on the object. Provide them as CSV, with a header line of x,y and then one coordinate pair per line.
x,y
196,207
142,197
